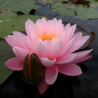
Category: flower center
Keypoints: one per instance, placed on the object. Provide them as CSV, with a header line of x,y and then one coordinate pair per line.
x,y
47,36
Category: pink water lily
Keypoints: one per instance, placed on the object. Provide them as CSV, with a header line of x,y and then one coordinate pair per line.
x,y
55,45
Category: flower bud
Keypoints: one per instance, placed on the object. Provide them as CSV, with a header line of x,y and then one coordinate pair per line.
x,y
33,69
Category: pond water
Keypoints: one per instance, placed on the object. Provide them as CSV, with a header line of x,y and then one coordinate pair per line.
x,y
89,81
83,86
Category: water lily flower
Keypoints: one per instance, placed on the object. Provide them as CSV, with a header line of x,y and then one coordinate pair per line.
x,y
55,45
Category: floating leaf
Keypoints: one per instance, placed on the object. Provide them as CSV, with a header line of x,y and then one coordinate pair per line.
x,y
5,54
78,10
7,15
4,72
5,51
14,23
84,12
64,9
18,5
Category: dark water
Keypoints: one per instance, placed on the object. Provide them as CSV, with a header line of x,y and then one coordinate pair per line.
x,y
89,80
83,86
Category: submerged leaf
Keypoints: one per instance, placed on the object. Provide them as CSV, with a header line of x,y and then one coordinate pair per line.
x,y
4,72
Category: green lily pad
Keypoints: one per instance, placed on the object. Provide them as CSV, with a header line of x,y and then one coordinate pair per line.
x,y
85,12
62,8
5,54
78,11
5,51
7,15
14,23
19,5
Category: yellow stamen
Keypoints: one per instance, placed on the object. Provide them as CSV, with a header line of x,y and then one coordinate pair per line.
x,y
46,36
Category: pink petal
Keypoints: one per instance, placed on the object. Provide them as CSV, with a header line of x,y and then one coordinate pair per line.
x,y
66,59
39,28
14,64
51,74
52,48
57,39
42,87
81,55
44,23
20,53
69,33
37,41
78,35
58,27
54,26
72,30
50,27
55,49
67,26
42,50
66,47
78,43
24,41
48,43
70,69
30,29
43,20
83,59
47,62
59,21
12,41
54,20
